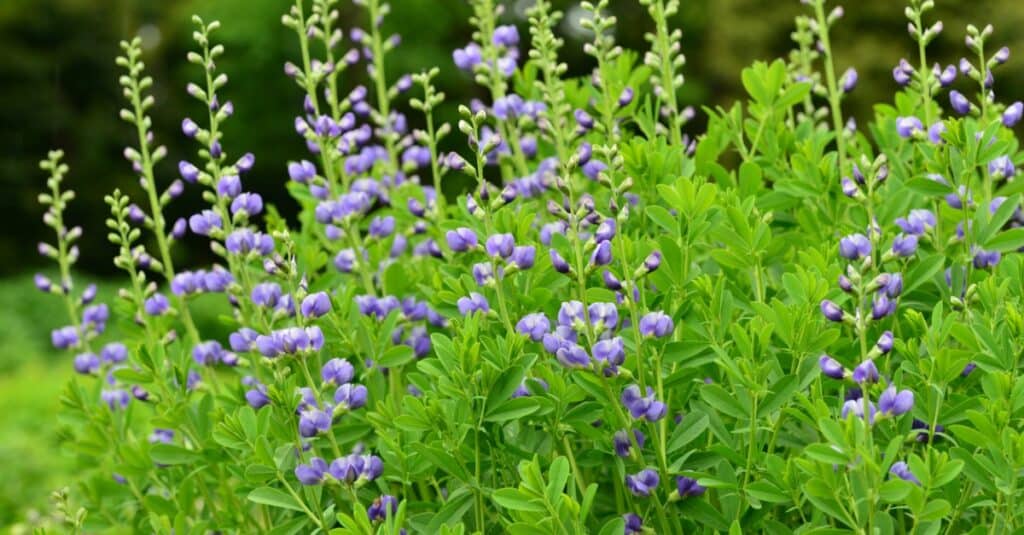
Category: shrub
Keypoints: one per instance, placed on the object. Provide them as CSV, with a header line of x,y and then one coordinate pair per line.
x,y
785,321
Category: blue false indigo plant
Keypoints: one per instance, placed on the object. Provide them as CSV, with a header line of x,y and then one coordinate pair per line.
x,y
621,327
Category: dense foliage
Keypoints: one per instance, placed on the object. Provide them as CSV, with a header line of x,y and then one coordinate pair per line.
x,y
788,323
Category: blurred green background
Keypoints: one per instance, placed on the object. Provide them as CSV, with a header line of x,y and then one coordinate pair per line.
x,y
58,88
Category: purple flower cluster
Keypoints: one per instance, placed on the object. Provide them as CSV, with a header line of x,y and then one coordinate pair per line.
x,y
354,469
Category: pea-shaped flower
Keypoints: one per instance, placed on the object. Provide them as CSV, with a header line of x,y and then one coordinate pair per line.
x,y
535,326
461,239
350,396
656,324
643,483
312,473
315,305
895,403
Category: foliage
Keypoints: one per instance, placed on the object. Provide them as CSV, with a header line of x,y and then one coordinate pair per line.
x,y
785,321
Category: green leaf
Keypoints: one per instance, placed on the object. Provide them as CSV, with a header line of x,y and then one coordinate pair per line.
x,y
894,490
458,503
615,526
274,498
512,409
396,356
170,454
517,501
558,475
927,186
723,401
1009,240
826,453
663,218
692,426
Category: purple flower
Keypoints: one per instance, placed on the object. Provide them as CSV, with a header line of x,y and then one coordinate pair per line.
x,y
156,305
570,313
885,342
315,305
902,471
947,76
854,246
593,168
523,256
468,57
856,407
382,507
643,407
611,282
1013,114
114,353
203,222
461,239
605,231
229,186
634,524
312,473
908,126
1001,167
895,403
558,262
208,353
865,372
959,102
302,171
500,245
882,306
583,120
917,222
115,399
902,72
350,396
188,172
473,303
652,262
265,294
534,325
610,351
686,487
506,36
95,317
831,311
313,421
570,354
87,363
345,261
623,444
904,245
249,203
986,259
603,316
337,371
849,80
257,397
935,132
602,255
643,482
831,367
625,97
656,324
244,241
483,273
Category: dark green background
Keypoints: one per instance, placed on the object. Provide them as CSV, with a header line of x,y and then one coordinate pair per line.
x,y
58,81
